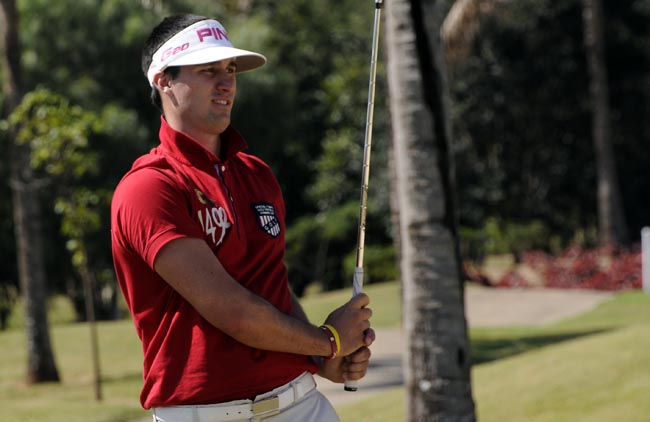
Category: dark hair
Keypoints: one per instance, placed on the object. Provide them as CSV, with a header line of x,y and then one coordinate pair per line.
x,y
166,29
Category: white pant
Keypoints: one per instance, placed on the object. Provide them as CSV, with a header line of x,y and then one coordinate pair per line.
x,y
314,407
302,403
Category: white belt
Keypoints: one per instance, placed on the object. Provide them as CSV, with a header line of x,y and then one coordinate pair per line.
x,y
264,405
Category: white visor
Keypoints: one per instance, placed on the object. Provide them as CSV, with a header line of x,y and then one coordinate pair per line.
x,y
203,42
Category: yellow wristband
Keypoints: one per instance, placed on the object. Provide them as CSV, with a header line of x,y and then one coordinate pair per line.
x,y
337,338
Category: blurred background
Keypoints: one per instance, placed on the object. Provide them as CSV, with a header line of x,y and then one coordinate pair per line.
x,y
525,161
549,140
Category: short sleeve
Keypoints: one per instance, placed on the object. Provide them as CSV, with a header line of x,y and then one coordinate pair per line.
x,y
148,210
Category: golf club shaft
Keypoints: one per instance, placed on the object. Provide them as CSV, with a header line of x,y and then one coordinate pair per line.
x,y
357,283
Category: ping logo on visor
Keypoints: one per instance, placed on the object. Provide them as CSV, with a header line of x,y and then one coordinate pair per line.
x,y
203,42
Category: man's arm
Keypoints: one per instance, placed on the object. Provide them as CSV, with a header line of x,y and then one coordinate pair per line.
x,y
352,367
297,309
191,268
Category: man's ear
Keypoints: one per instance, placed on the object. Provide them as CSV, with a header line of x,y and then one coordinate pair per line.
x,y
162,81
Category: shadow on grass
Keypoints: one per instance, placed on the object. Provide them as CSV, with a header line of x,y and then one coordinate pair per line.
x,y
488,350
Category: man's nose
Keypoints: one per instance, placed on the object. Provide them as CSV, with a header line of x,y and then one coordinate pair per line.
x,y
226,84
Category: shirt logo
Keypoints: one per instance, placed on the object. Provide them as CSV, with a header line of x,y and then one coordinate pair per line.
x,y
212,218
267,219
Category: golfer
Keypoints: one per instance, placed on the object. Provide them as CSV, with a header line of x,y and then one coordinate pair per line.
x,y
198,246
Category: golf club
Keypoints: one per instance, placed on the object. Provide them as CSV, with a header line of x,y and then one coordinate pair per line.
x,y
357,283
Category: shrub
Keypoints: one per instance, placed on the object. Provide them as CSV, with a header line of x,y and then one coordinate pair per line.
x,y
512,279
603,268
501,237
379,264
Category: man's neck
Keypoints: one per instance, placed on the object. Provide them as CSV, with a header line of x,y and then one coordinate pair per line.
x,y
209,141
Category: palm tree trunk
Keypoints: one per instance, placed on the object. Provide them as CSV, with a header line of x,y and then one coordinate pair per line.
x,y
611,220
437,362
27,215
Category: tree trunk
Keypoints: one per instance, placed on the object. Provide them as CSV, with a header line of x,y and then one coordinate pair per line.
x,y
27,215
88,281
437,362
611,220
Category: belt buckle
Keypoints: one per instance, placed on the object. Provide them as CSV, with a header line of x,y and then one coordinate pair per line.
x,y
267,407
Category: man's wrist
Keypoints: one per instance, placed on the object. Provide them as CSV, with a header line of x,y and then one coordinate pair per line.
x,y
334,339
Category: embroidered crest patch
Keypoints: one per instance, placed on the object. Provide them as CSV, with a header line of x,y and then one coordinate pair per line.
x,y
266,218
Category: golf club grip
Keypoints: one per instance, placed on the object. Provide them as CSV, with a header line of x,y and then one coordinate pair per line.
x,y
357,287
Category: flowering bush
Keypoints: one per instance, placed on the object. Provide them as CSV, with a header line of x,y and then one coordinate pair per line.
x,y
603,268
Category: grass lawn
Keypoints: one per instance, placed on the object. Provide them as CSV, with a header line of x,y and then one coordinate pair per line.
x,y
73,399
589,368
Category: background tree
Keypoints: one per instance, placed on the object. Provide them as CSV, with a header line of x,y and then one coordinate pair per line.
x,y
520,113
522,123
316,124
460,29
25,187
611,220
437,362
57,135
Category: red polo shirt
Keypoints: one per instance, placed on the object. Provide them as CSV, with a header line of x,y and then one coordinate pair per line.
x,y
180,189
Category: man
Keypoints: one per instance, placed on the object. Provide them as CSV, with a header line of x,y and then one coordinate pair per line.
x,y
198,246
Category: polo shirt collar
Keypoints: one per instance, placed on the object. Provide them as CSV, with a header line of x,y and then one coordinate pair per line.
x,y
185,148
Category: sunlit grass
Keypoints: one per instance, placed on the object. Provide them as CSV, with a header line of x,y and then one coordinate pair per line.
x,y
385,302
74,398
587,368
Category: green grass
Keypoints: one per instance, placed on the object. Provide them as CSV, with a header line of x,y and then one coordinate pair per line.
x,y
73,399
59,311
600,377
121,360
588,368
385,302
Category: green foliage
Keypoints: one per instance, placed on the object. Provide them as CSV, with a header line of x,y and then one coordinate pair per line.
x,y
60,310
337,167
498,237
8,297
510,237
522,117
79,218
87,53
379,264
56,134
318,117
310,242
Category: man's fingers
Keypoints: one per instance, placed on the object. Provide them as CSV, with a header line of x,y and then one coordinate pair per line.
x,y
369,336
360,300
356,365
354,375
360,356
366,313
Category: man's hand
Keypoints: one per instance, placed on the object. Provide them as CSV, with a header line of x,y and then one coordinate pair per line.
x,y
352,323
349,368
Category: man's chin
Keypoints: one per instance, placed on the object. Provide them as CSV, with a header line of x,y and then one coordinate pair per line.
x,y
220,125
